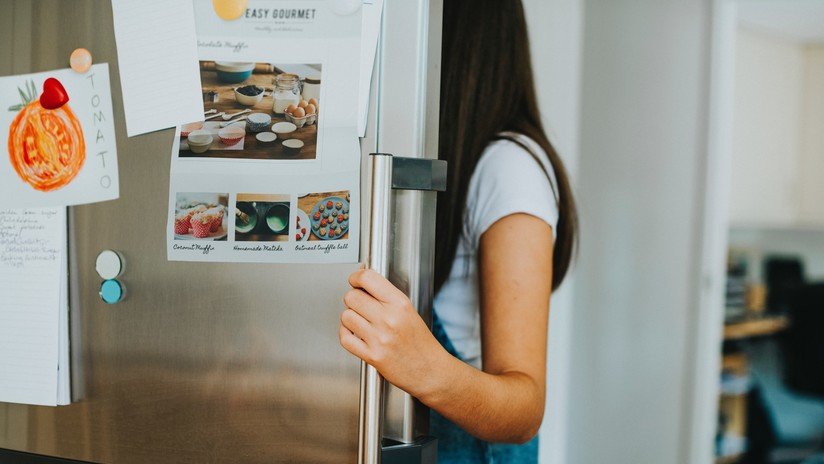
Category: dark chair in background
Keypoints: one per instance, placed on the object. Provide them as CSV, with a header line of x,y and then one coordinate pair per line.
x,y
803,342
783,275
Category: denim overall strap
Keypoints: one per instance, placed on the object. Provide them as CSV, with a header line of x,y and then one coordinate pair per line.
x,y
455,446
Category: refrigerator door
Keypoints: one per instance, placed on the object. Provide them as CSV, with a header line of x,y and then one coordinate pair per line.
x,y
205,362
202,362
408,77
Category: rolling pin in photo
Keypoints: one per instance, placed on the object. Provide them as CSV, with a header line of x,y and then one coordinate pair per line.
x,y
260,68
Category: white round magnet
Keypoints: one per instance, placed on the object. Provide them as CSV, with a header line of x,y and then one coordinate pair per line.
x,y
109,264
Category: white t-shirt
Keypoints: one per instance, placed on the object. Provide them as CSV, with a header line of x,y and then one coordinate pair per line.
x,y
506,181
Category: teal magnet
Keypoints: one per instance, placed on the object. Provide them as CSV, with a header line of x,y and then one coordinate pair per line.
x,y
111,291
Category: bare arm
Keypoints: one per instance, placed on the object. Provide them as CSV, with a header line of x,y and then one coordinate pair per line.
x,y
505,401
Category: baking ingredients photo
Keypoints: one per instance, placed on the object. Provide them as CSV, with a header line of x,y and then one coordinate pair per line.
x,y
262,218
326,217
201,216
259,111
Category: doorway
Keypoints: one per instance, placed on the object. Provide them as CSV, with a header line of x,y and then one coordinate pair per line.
x,y
765,220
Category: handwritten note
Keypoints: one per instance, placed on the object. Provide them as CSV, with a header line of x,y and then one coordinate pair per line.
x,y
157,55
32,267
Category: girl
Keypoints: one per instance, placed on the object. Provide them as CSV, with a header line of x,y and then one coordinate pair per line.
x,y
506,232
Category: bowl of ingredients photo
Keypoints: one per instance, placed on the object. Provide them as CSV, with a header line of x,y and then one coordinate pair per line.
x,y
283,129
292,146
187,129
249,95
199,141
277,218
258,122
231,135
232,72
246,217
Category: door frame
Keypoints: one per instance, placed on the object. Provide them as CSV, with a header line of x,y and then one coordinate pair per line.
x,y
705,342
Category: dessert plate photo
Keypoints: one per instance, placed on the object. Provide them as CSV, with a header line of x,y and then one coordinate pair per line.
x,y
330,218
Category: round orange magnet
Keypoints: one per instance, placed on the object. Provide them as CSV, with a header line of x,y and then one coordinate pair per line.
x,y
230,10
81,60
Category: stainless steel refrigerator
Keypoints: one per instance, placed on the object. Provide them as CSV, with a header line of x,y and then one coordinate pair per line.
x,y
230,362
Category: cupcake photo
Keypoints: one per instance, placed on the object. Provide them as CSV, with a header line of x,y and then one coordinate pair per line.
x,y
201,216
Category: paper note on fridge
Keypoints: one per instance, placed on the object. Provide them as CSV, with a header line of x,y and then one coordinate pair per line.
x,y
57,128
157,56
371,19
33,306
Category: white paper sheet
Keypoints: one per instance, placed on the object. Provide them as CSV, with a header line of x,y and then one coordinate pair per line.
x,y
157,57
32,268
64,390
372,14
279,188
65,156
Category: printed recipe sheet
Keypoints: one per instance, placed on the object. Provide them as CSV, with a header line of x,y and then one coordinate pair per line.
x,y
271,172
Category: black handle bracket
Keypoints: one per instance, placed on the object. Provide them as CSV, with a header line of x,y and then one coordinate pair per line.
x,y
418,173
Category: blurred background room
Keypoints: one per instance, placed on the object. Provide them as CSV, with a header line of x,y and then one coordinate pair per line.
x,y
772,388
692,329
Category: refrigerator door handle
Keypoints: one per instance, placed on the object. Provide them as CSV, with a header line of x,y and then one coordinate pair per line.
x,y
388,173
371,394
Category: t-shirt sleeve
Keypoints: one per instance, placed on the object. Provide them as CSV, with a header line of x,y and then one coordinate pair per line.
x,y
508,180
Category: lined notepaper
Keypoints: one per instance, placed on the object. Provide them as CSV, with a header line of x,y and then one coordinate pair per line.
x,y
32,267
157,57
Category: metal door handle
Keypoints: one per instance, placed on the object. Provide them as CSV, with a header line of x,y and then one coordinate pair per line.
x,y
388,172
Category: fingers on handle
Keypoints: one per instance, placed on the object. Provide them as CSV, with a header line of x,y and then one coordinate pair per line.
x,y
363,304
356,324
376,285
351,343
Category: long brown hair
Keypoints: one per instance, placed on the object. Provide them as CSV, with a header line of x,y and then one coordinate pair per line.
x,y
487,89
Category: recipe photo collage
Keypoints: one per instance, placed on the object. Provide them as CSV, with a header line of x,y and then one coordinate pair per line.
x,y
261,217
271,173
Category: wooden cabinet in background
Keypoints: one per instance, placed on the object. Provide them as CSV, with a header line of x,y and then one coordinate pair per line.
x,y
778,133
811,179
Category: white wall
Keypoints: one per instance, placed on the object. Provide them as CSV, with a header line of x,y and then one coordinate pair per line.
x,y
806,243
769,75
812,136
555,28
643,147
